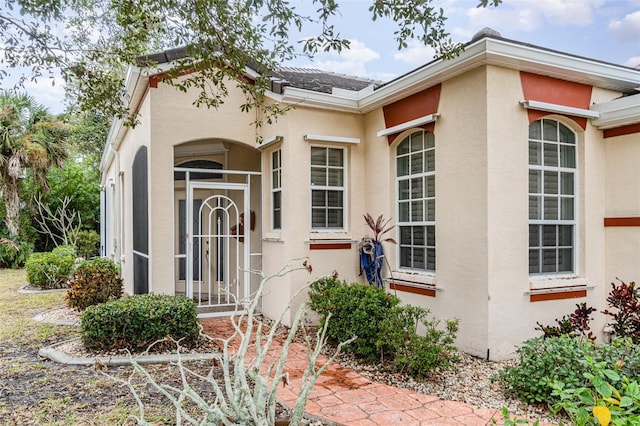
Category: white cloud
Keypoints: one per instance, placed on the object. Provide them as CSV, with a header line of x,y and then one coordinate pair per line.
x,y
48,94
350,61
530,15
633,62
628,28
415,54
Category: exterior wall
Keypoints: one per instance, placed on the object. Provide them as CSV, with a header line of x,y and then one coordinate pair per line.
x,y
622,200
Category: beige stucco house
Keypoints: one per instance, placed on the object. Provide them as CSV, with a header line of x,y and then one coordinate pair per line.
x,y
511,173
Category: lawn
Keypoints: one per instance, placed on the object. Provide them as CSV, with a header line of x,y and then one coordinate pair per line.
x,y
38,391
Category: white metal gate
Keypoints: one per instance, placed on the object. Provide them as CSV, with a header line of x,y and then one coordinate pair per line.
x,y
218,247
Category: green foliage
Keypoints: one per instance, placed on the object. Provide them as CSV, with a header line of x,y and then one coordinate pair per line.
x,y
136,322
546,362
611,397
512,421
356,310
576,324
65,251
87,244
413,353
14,255
50,270
95,281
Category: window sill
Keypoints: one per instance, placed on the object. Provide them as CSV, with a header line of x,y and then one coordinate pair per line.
x,y
330,244
424,285
557,288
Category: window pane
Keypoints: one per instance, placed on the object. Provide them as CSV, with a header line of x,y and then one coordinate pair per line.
x,y
534,261
550,154
403,190
549,261
403,166
334,218
405,235
335,177
565,260
403,211
431,236
318,156
416,142
534,236
417,213
318,198
429,140
535,131
318,176
431,209
549,130
566,180
550,208
334,198
275,179
416,189
534,207
403,148
566,208
276,199
318,218
405,257
431,259
431,160
549,235
418,258
417,165
550,182
275,159
418,235
535,153
335,157
568,156
565,235
535,181
566,135
431,186
277,221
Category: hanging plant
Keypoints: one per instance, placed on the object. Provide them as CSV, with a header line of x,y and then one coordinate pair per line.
x,y
371,250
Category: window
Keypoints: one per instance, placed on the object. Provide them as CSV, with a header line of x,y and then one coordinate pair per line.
x,y
416,200
276,189
552,197
327,188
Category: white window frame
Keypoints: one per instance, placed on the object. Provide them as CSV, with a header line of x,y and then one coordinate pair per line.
x,y
276,188
556,222
400,224
343,189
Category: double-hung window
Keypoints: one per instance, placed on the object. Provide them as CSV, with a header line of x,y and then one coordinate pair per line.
x,y
416,201
276,189
552,198
327,187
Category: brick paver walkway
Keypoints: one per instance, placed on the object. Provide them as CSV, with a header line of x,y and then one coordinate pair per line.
x,y
345,397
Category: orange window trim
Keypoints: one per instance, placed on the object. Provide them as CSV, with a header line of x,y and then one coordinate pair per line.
x,y
411,289
622,221
555,91
557,296
330,246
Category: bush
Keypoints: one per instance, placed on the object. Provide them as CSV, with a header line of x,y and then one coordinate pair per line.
x,y
136,322
14,255
95,281
545,362
88,244
51,269
576,324
356,310
625,300
413,353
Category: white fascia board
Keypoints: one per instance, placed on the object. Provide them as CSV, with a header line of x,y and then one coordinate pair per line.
x,y
327,138
296,96
269,141
409,124
560,109
618,112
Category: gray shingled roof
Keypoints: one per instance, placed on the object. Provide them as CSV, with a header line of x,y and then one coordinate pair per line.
x,y
321,81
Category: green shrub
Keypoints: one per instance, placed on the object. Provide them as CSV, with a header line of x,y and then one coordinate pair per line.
x,y
88,244
136,322
356,310
413,353
95,281
547,362
14,255
65,251
51,269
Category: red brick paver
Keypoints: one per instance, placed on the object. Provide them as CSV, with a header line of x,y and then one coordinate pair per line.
x,y
343,396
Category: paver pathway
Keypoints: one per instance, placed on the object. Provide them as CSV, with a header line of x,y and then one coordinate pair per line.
x,y
345,397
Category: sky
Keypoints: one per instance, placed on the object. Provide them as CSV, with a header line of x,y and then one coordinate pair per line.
x,y
607,30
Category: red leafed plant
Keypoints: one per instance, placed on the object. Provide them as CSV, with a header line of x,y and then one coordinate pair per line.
x,y
380,226
625,300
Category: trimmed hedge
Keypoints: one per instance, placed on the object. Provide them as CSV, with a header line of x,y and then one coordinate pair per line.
x,y
95,281
136,322
51,269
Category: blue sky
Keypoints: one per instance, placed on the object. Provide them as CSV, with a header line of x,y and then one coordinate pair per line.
x,y
607,30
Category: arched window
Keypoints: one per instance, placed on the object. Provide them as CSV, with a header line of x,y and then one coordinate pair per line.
x,y
416,201
198,164
552,198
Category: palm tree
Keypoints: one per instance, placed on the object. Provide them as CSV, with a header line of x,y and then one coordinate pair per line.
x,y
29,139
